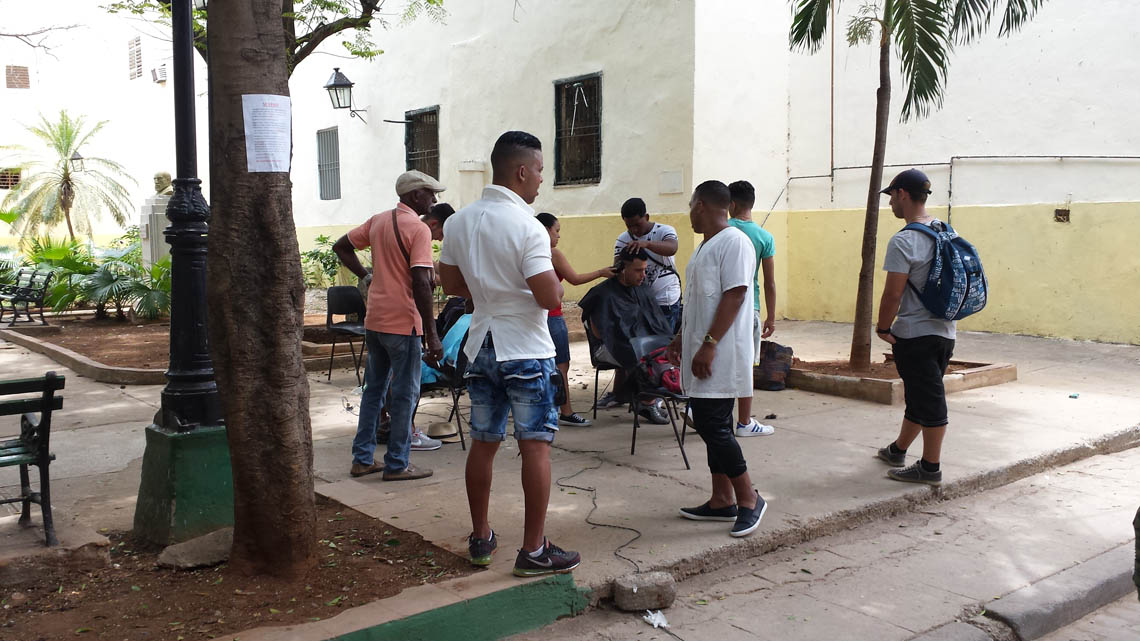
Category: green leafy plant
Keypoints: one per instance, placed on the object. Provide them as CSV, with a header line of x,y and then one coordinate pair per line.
x,y
319,265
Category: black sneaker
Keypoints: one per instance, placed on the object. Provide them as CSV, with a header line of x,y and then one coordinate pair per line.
x,y
654,415
916,474
481,549
705,513
898,460
748,519
573,419
550,561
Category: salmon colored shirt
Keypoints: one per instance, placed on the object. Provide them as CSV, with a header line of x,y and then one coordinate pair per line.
x,y
391,308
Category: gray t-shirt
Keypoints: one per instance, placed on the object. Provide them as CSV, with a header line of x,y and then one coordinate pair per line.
x,y
911,252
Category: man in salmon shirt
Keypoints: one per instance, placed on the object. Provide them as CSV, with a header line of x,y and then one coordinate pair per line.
x,y
399,299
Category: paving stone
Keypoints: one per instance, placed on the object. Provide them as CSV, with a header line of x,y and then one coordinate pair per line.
x,y
641,591
207,550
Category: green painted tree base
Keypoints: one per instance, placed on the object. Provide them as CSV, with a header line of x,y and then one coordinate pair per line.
x,y
491,617
187,487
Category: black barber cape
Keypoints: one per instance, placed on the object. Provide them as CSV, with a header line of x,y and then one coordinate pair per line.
x,y
619,312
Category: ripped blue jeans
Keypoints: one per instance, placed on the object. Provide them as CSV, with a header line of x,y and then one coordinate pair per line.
x,y
521,387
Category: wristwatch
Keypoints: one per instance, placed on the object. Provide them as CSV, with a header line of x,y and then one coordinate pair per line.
x,y
879,330
709,339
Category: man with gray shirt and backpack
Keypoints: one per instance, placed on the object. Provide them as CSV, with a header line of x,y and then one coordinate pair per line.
x,y
921,341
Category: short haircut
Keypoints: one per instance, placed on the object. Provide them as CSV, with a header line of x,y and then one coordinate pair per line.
x,y
714,194
918,197
626,255
633,208
742,193
440,212
547,219
509,148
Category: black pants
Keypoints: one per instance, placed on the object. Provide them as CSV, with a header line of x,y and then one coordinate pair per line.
x,y
921,362
714,421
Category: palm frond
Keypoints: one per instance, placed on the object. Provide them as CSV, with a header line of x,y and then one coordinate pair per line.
x,y
809,24
969,19
1017,13
921,33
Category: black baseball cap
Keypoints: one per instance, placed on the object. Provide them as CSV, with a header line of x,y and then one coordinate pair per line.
x,y
911,180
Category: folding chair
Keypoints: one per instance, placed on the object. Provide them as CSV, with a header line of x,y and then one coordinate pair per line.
x,y
344,300
593,343
642,346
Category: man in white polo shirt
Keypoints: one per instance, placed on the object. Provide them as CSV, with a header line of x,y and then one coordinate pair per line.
x,y
714,350
497,255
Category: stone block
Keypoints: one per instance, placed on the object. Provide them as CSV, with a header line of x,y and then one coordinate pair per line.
x,y
207,550
642,591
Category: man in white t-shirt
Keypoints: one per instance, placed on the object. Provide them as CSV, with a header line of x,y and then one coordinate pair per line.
x,y
714,350
497,255
660,242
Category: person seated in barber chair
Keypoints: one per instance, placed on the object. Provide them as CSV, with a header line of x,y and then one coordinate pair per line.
x,y
617,310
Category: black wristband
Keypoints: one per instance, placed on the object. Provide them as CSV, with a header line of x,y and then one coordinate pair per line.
x,y
879,330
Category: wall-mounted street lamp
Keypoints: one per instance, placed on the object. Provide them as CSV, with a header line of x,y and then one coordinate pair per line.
x,y
77,163
340,92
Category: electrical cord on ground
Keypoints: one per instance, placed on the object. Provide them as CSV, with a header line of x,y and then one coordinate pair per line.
x,y
560,482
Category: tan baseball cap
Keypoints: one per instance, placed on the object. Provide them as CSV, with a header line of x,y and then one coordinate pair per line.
x,y
415,179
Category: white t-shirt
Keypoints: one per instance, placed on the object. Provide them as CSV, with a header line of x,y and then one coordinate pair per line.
x,y
724,262
497,244
660,272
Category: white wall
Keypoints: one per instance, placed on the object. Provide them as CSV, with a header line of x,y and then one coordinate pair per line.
x,y
491,68
1064,84
88,76
741,95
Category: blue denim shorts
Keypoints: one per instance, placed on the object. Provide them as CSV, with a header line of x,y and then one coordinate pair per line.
x,y
521,387
561,337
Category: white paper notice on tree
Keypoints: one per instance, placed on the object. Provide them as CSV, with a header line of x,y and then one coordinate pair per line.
x,y
268,132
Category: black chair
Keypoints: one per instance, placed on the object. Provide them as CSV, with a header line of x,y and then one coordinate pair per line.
x,y
344,300
451,379
642,391
594,343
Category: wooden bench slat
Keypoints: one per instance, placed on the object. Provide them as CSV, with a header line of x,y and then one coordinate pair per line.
x,y
35,384
20,406
18,449
15,460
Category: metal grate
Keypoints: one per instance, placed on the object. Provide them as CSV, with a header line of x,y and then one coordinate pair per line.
x,y
421,140
134,57
9,178
578,132
328,163
16,77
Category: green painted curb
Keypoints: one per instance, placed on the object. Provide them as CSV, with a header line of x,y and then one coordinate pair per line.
x,y
491,617
187,485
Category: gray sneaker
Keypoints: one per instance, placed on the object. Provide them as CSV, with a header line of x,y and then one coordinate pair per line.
x,y
898,460
655,413
421,441
916,474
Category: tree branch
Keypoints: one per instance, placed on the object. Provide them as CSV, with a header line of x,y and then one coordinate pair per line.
x,y
306,44
28,37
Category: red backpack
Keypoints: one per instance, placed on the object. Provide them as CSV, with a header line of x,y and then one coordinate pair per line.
x,y
659,373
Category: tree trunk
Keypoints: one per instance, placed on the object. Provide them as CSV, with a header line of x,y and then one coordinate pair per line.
x,y
256,299
864,301
67,217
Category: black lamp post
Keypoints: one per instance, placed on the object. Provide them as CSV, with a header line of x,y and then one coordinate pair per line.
x,y
77,161
340,93
190,398
186,488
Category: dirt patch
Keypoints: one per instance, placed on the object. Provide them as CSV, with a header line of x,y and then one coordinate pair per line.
x,y
843,368
361,560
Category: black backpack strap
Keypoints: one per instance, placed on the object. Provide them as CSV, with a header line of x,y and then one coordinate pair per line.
x,y
400,239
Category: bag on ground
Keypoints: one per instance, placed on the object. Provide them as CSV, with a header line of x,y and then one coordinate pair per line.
x,y
775,363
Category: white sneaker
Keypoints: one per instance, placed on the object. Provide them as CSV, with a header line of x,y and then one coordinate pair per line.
x,y
753,429
421,441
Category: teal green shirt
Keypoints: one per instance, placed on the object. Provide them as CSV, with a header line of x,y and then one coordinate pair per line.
x,y
765,248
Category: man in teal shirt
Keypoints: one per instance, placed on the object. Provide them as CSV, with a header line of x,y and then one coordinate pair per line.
x,y
743,198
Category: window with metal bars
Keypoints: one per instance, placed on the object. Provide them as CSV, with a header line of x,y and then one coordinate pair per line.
x,y
16,77
578,130
134,57
9,178
328,163
421,140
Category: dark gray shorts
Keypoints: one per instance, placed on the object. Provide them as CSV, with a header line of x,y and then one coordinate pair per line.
x,y
921,362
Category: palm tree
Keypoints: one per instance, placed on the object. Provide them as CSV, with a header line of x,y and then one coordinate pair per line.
x,y
924,33
63,186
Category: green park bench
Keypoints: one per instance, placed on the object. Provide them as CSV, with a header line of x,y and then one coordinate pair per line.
x,y
28,289
31,448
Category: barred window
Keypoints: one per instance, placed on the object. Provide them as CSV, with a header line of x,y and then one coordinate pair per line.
x,y
421,140
134,58
328,163
9,178
578,130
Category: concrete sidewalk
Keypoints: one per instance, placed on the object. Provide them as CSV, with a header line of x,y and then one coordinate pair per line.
x,y
817,471
924,575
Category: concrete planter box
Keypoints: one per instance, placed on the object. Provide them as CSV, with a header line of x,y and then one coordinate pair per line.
x,y
890,391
